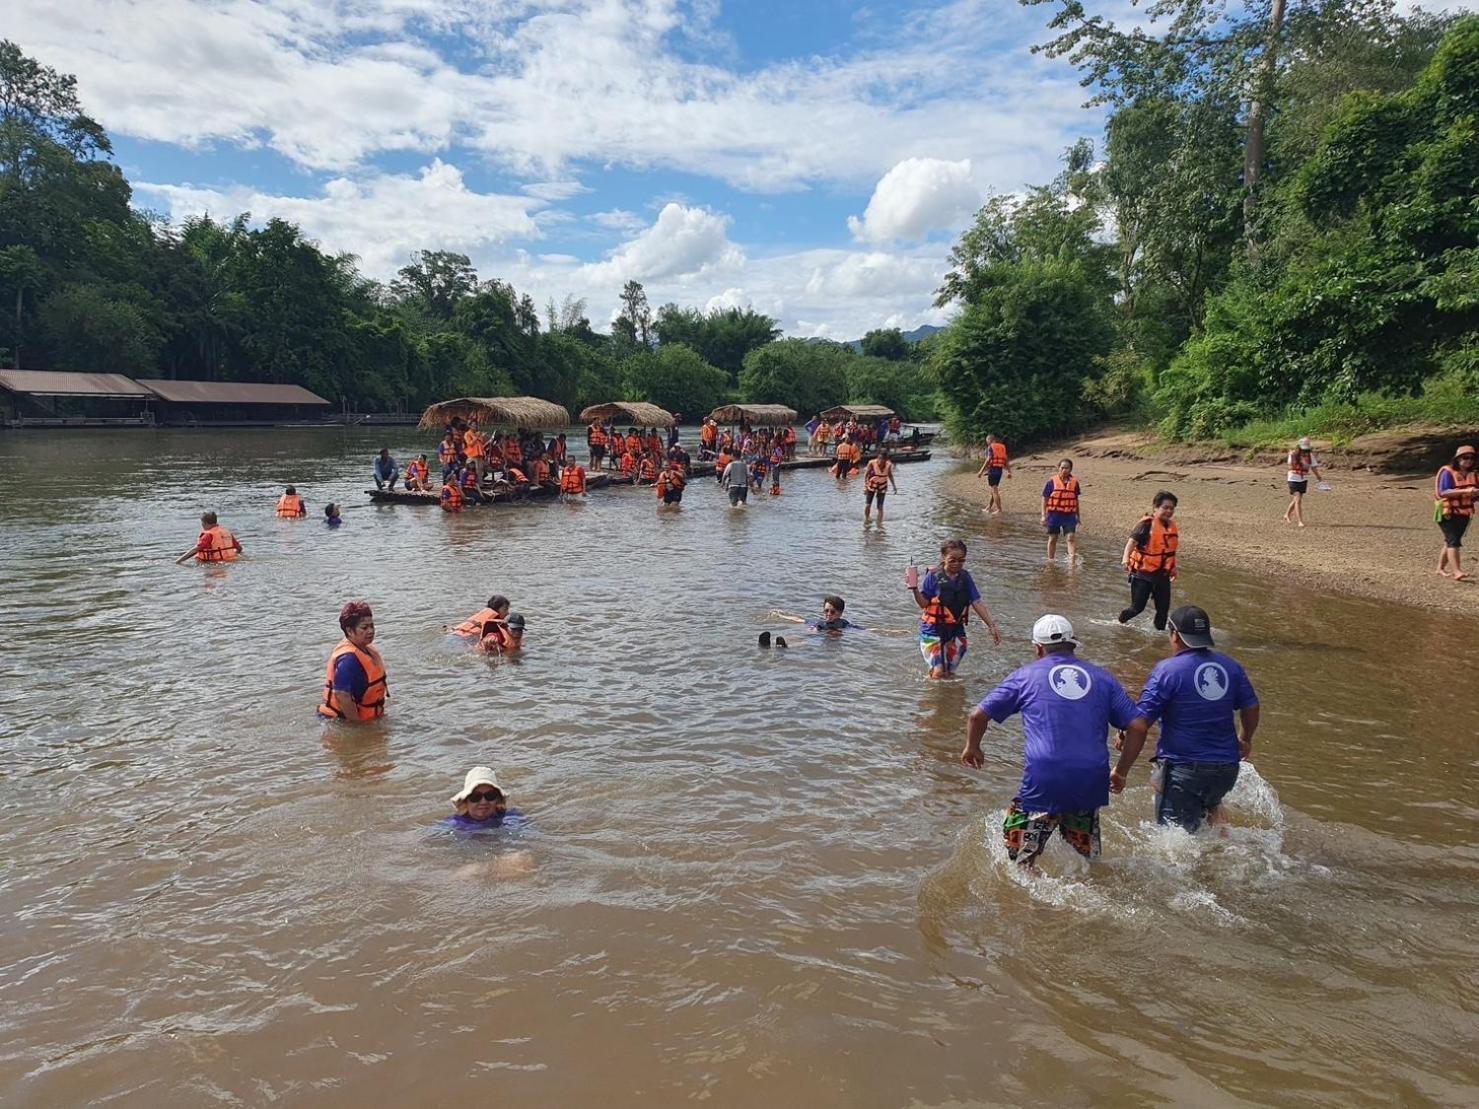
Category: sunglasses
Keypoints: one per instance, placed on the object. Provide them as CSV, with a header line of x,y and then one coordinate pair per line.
x,y
480,798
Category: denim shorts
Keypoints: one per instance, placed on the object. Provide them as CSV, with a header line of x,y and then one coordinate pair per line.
x,y
1189,789
1064,522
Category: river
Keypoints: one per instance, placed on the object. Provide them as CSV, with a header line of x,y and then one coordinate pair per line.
x,y
760,878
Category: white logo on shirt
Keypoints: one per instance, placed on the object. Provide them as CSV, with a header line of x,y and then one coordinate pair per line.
x,y
1072,683
1211,681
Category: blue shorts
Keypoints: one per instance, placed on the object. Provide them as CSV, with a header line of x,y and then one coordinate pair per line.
x,y
1189,789
1062,522
993,476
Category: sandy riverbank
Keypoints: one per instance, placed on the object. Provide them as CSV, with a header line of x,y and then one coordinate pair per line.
x,y
1371,536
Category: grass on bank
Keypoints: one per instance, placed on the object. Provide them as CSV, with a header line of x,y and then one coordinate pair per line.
x,y
1441,404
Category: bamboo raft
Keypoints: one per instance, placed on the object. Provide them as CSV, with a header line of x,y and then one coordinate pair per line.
x,y
502,493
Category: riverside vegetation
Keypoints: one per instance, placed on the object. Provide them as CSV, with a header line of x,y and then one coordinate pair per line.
x,y
1277,236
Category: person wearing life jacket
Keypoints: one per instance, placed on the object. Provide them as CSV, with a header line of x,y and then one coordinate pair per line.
x,y
475,449
513,452
418,475
354,680
878,476
447,453
646,470
653,442
539,472
708,439
946,597
1061,511
555,450
215,544
290,506
504,637
670,484
572,480
596,436
1150,558
475,626
721,463
1301,463
992,467
629,464
634,442
451,498
1454,490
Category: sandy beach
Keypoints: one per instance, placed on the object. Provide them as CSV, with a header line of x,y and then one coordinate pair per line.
x,y
1372,535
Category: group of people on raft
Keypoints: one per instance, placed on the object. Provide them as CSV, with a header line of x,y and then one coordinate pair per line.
x,y
827,436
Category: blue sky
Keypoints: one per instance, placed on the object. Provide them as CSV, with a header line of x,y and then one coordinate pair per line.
x,y
814,159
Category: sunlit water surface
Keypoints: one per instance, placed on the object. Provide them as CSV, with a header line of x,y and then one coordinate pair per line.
x,y
760,878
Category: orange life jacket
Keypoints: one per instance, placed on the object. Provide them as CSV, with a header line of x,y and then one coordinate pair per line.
x,y
470,478
515,475
512,452
541,471
373,704
596,435
628,463
451,497
472,445
290,507
420,468
1160,549
647,470
446,452
572,479
708,434
654,443
473,625
1298,462
634,444
875,477
724,459
497,639
223,546
1456,509
1063,500
998,455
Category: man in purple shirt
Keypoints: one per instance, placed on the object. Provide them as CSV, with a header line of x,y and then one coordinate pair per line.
x,y
1195,695
1067,708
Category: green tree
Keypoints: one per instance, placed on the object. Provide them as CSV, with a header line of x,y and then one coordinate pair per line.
x,y
436,282
20,273
635,319
675,378
888,343
799,373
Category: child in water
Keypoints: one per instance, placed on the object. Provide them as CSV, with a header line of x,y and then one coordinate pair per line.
x,y
331,515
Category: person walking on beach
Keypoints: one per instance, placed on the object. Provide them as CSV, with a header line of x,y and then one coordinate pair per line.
x,y
992,467
386,470
354,680
1150,560
1454,489
947,595
1061,511
1067,706
878,476
1302,462
1196,694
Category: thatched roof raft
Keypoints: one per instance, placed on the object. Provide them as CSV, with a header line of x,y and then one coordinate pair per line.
x,y
634,413
530,412
858,412
765,415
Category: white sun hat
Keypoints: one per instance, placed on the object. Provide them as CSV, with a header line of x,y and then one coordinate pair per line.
x,y
1305,444
477,776
1051,630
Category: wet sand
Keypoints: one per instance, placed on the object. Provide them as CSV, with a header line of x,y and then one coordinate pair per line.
x,y
1371,536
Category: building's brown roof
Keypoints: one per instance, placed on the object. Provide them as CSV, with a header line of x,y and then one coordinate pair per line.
x,y
858,412
525,412
47,383
760,415
229,392
631,412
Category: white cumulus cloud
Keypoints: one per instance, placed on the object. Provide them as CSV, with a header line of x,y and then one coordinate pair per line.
x,y
682,241
917,196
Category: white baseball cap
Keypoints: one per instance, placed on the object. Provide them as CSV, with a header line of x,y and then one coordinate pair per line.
x,y
1050,630
1304,444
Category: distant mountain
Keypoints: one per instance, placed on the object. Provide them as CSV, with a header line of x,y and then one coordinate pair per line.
x,y
923,331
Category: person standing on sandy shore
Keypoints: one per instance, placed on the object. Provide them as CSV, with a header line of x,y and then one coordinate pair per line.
x,y
1454,488
1150,559
1301,462
1061,511
992,467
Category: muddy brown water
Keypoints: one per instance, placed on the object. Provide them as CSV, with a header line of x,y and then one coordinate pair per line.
x,y
759,878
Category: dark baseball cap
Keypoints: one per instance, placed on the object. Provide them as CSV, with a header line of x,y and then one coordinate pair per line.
x,y
516,621
1193,625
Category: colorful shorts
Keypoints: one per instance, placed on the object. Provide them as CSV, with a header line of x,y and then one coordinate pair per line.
x,y
1027,833
938,655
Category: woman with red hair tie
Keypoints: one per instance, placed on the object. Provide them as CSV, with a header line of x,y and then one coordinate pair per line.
x,y
354,680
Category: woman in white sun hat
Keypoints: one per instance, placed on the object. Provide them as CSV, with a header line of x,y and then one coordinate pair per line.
x,y
481,805
1302,463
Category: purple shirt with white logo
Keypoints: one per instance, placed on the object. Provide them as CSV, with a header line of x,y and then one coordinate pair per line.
x,y
1195,695
1067,707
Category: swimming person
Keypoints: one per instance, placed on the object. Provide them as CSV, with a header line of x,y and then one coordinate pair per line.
x,y
290,506
215,544
331,515
1067,706
1195,695
1150,559
831,621
1061,511
354,680
946,595
475,626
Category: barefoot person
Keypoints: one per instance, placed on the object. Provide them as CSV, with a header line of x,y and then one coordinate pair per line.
x,y
1454,489
736,479
354,680
1302,462
1061,512
1067,707
1196,694
1150,559
992,467
947,595
878,476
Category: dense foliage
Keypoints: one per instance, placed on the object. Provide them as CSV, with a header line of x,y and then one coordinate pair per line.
x,y
89,283
1284,215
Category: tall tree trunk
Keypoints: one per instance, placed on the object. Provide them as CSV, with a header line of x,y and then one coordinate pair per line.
x,y
19,292
1257,110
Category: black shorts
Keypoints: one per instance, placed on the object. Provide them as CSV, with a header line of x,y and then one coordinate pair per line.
x,y
739,494
1299,486
993,476
878,494
672,496
1453,530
